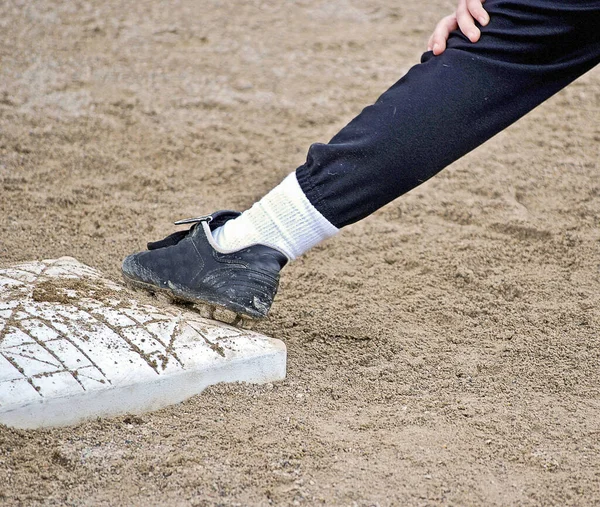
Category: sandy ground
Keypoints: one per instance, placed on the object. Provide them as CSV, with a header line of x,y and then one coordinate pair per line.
x,y
444,351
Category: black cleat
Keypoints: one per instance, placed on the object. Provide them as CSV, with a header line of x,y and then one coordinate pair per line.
x,y
188,265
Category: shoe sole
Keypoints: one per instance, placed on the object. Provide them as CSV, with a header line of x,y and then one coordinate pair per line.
x,y
206,309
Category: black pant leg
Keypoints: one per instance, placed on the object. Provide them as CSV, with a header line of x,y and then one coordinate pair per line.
x,y
450,104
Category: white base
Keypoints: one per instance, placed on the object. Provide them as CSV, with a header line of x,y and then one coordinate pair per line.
x,y
75,346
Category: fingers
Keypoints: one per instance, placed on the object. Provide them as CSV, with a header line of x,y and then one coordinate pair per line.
x,y
478,12
464,18
466,13
466,23
437,41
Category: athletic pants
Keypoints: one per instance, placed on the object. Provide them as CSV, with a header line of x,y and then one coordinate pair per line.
x,y
450,104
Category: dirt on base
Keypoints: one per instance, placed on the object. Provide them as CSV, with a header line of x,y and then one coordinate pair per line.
x,y
444,351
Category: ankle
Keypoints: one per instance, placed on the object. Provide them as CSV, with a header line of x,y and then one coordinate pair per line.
x,y
283,219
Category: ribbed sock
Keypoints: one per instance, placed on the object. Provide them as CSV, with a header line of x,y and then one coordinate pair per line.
x,y
284,219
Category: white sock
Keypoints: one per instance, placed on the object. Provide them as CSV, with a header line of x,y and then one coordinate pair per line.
x,y
283,219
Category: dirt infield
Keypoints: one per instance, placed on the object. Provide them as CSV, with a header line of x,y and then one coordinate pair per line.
x,y
444,351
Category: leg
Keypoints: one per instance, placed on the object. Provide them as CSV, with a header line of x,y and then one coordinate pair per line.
x,y
440,110
450,104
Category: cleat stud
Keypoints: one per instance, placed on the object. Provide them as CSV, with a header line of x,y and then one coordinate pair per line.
x,y
224,315
247,323
163,298
205,310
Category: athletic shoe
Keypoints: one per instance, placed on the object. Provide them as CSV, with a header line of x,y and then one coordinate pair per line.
x,y
228,285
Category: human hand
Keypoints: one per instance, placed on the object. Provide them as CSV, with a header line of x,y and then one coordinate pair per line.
x,y
464,18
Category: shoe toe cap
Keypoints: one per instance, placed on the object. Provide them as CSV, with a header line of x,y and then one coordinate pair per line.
x,y
151,267
132,267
